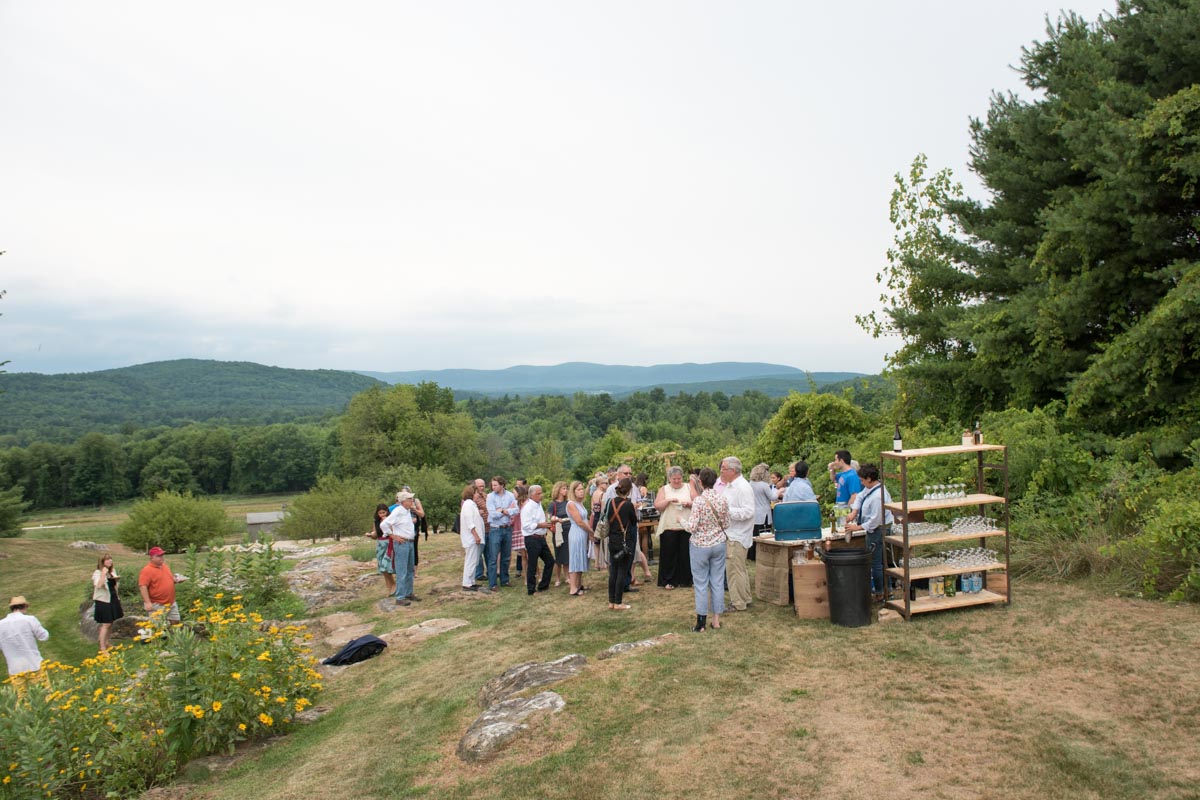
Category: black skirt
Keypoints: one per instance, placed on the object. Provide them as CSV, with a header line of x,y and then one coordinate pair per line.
x,y
674,558
109,612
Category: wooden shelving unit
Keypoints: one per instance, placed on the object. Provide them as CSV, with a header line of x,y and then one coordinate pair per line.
x,y
905,544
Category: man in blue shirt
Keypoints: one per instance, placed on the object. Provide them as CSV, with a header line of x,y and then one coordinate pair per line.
x,y
845,479
800,488
501,508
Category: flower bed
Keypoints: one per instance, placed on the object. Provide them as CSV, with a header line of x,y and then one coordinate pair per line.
x,y
128,719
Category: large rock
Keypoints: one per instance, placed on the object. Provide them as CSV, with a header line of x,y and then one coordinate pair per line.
x,y
625,647
327,580
527,676
88,546
495,729
124,628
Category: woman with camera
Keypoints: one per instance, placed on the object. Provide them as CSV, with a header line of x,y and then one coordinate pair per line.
x,y
622,539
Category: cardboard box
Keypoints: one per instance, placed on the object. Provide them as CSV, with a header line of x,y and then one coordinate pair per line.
x,y
811,590
772,571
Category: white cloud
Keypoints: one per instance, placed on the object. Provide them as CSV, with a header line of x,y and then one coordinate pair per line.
x,y
404,185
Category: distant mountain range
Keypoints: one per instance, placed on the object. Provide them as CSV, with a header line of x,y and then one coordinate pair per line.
x,y
64,407
731,377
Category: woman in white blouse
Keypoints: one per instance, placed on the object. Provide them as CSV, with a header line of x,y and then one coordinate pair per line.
x,y
471,532
107,605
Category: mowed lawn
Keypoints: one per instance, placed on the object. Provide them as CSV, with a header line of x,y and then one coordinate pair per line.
x,y
1067,693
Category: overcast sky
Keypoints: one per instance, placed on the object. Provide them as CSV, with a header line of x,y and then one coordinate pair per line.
x,y
410,185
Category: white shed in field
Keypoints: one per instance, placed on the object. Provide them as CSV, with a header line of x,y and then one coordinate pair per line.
x,y
262,522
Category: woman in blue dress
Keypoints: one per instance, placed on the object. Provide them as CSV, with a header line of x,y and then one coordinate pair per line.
x,y
383,549
578,537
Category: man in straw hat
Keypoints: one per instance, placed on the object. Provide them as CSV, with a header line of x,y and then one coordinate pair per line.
x,y
19,634
399,526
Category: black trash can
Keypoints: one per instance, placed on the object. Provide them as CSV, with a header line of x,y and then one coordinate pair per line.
x,y
848,573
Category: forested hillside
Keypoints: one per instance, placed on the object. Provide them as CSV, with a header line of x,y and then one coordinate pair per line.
x,y
61,408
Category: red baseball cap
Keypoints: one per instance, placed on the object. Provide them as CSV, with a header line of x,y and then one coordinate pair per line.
x,y
157,551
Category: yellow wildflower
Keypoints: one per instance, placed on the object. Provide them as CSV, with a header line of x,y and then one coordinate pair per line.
x,y
216,706
266,719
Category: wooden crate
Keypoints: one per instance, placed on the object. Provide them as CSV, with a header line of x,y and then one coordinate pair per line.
x,y
811,590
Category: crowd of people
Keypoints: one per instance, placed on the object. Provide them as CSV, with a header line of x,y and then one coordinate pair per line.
x,y
706,522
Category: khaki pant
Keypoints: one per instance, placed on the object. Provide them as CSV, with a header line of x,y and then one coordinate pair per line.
x,y
736,574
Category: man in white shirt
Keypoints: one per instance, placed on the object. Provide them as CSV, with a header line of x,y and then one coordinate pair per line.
x,y
739,494
635,494
533,527
19,634
399,526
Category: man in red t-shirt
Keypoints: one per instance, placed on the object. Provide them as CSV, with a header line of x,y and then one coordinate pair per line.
x,y
156,582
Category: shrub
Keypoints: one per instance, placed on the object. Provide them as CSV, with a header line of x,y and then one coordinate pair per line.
x,y
174,522
1166,554
130,718
334,507
363,552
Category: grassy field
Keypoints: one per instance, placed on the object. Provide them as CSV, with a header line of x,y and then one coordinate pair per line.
x,y
99,524
1068,692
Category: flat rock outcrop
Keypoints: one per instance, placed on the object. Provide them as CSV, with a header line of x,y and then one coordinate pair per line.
x,y
528,676
501,723
326,580
626,647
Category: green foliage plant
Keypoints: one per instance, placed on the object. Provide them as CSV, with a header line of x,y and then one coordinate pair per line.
x,y
1166,553
166,473
414,425
254,573
174,522
1076,280
12,507
128,719
807,425
439,494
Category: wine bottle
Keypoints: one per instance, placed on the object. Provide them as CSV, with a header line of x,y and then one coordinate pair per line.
x,y
978,435
897,442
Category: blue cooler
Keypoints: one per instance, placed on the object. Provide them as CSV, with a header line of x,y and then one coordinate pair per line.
x,y
797,520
